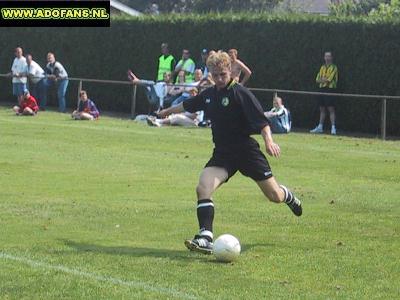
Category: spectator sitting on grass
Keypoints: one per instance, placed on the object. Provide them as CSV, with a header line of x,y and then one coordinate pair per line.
x,y
28,105
87,110
279,117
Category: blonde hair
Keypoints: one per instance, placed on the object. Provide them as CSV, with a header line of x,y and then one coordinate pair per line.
x,y
219,59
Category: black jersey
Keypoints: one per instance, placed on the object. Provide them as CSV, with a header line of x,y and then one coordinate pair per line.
x,y
234,111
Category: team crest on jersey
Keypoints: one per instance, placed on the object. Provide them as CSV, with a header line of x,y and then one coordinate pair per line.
x,y
225,101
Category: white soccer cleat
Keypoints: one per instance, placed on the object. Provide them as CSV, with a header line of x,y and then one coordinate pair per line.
x,y
333,130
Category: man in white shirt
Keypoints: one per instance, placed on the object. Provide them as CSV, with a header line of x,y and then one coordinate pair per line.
x,y
37,83
56,74
18,74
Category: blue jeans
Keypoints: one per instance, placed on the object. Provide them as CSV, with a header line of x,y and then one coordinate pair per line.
x,y
62,85
276,126
18,88
38,90
179,100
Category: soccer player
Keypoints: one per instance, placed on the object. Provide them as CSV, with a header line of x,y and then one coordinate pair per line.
x,y
235,114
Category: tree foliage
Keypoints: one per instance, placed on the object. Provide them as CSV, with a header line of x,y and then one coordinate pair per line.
x,y
387,10
355,7
203,6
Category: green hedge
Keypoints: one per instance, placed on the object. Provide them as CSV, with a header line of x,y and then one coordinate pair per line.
x,y
283,51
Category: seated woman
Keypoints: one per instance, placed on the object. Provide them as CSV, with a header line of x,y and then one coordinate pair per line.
x,y
279,117
87,110
199,83
27,107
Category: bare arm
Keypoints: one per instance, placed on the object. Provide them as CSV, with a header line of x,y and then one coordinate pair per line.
x,y
172,110
246,71
271,148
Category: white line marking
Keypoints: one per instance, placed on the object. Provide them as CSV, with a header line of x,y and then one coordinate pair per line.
x,y
132,284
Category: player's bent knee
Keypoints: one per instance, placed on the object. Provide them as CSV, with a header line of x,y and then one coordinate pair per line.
x,y
203,192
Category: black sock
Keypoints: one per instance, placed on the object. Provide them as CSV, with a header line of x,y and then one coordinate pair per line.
x,y
288,195
205,215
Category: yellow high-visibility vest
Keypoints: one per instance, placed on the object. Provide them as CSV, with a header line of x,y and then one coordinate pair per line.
x,y
164,65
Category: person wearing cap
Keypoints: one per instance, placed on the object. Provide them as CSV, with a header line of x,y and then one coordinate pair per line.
x,y
202,64
28,105
187,65
18,73
166,62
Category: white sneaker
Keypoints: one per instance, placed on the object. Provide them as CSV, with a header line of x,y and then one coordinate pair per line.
x,y
152,121
317,129
333,130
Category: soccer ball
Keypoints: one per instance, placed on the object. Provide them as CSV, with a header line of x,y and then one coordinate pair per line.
x,y
226,248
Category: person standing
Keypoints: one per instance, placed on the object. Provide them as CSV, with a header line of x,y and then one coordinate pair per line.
x,y
166,62
202,64
18,73
187,65
235,114
238,67
327,79
56,74
37,77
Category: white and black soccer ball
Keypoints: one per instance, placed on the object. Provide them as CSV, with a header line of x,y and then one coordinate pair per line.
x,y
226,248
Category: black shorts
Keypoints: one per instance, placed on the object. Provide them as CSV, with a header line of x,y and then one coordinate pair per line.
x,y
326,101
247,159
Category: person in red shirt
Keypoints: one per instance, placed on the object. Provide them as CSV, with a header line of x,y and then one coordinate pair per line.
x,y
28,106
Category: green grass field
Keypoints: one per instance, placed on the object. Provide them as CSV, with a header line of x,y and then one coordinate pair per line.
x,y
100,210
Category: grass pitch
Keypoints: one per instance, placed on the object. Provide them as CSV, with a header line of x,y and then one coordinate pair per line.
x,y
99,210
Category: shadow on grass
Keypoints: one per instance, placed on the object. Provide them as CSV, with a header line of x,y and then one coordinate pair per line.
x,y
134,251
248,247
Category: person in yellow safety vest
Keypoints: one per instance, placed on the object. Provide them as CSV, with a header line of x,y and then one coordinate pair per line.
x,y
327,79
166,62
186,64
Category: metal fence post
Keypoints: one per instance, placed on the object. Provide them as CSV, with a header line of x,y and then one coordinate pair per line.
x,y
133,103
79,92
383,120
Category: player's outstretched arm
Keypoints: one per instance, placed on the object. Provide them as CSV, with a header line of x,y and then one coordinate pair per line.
x,y
271,148
171,110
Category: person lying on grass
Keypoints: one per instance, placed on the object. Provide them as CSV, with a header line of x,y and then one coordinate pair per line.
x,y
183,119
87,110
27,107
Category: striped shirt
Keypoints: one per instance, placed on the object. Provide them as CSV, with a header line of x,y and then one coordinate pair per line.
x,y
330,73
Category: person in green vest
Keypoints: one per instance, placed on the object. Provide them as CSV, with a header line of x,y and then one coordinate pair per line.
x,y
186,64
166,62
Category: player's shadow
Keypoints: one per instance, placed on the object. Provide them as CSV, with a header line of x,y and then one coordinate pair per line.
x,y
131,251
